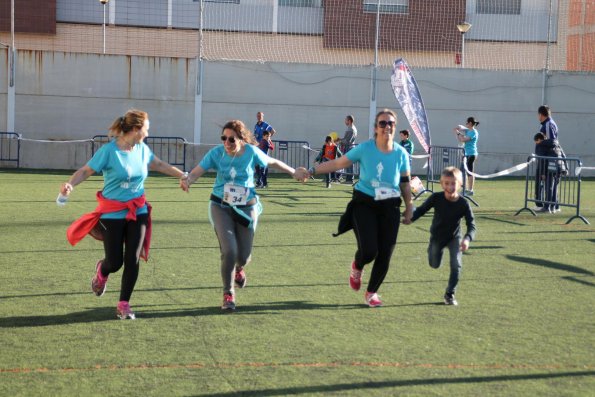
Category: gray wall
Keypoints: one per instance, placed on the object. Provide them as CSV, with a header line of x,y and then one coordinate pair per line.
x,y
76,96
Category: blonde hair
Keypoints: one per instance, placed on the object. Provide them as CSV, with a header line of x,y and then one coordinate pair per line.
x,y
133,118
453,172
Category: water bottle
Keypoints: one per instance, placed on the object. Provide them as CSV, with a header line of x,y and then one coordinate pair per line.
x,y
61,200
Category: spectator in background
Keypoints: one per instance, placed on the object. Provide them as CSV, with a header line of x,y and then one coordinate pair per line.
x,y
468,135
329,151
406,143
262,172
549,128
348,142
548,173
262,126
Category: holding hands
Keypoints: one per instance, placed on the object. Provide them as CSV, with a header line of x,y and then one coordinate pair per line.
x,y
301,174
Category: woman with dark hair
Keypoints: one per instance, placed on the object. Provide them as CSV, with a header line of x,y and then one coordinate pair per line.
x,y
234,206
374,210
468,136
123,217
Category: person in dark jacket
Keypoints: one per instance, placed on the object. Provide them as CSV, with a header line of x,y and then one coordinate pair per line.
x,y
548,172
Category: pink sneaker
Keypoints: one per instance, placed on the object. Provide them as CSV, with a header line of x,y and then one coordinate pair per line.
x,y
229,302
124,312
355,277
98,282
240,278
372,299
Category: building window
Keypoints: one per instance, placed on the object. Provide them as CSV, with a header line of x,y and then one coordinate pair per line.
x,y
219,1
387,6
512,7
301,3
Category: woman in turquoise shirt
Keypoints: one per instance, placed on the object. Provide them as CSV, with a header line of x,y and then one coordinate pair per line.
x,y
234,206
125,163
373,213
468,135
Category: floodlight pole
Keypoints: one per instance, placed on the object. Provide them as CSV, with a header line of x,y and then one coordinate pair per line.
x,y
374,74
12,49
11,89
463,28
104,3
199,77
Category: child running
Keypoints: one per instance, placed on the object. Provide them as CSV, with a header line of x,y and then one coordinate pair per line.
x,y
449,208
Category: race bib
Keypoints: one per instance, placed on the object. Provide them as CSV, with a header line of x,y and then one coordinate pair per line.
x,y
235,195
384,193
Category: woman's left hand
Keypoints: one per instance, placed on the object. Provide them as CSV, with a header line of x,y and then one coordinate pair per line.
x,y
301,174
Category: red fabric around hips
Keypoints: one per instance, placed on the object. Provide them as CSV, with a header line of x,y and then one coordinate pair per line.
x,y
88,223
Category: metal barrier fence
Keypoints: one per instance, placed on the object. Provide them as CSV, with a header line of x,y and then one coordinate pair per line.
x,y
553,183
292,153
441,157
172,150
10,148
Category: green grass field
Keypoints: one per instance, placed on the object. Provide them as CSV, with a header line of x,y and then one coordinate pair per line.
x,y
525,324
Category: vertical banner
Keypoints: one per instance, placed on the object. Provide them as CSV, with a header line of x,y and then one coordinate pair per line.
x,y
409,97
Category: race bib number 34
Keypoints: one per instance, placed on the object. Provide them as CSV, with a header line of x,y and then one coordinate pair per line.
x,y
235,195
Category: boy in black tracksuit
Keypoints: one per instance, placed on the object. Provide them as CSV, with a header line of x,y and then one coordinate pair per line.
x,y
449,209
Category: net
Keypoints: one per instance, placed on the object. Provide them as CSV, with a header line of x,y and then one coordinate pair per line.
x,y
501,35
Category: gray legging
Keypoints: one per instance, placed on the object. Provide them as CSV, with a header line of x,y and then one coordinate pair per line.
x,y
235,240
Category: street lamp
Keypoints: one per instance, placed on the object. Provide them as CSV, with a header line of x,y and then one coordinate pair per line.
x,y
104,3
463,28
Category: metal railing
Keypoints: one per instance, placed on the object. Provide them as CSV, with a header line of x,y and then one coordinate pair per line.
x,y
553,183
292,153
441,157
10,148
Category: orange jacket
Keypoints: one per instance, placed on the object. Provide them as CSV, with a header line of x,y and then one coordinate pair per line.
x,y
88,223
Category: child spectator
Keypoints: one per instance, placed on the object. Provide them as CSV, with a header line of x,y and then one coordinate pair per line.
x,y
262,173
329,151
449,208
406,143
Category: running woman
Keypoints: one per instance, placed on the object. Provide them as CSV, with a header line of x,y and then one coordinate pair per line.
x,y
234,206
374,210
122,218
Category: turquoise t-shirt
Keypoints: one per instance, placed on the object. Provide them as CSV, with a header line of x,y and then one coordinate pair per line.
x,y
124,173
237,170
378,169
471,146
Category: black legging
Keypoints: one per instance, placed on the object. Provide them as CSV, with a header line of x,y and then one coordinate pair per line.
x,y
376,226
123,242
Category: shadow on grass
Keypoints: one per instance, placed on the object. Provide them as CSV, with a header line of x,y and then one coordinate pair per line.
x,y
551,265
109,313
489,218
363,386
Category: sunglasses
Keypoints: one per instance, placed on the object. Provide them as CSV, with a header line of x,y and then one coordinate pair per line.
x,y
231,139
384,123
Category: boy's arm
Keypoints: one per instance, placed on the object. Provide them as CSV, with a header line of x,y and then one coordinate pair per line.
x,y
470,220
422,209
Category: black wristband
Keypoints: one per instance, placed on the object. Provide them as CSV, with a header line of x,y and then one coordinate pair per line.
x,y
406,179
312,170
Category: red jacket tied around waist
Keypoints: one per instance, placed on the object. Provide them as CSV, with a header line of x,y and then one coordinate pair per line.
x,y
89,223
